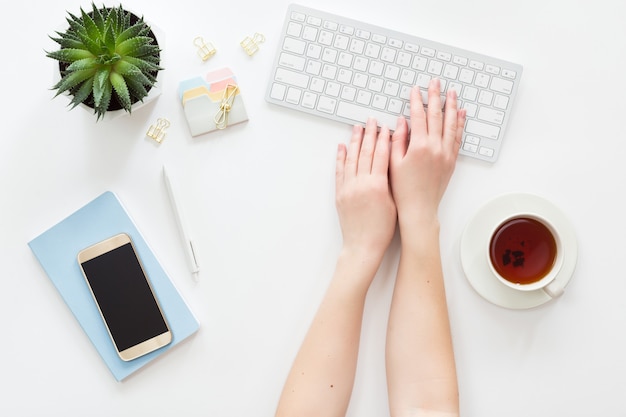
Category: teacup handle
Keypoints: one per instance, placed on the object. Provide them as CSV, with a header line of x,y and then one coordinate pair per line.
x,y
554,289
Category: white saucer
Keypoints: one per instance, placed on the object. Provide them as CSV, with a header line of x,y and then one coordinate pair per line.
x,y
476,238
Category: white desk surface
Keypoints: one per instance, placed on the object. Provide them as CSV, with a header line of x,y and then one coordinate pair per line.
x,y
260,199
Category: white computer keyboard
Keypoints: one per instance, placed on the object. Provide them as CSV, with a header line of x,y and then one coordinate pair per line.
x,y
347,70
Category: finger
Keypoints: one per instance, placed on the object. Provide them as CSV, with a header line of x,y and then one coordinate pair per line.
x,y
340,167
399,141
460,122
434,118
352,153
367,147
418,115
380,164
450,120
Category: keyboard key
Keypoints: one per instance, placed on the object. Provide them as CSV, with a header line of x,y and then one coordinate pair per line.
x,y
348,93
294,29
490,115
309,33
292,61
411,47
341,42
345,59
314,51
419,63
317,85
293,95
407,76
396,43
314,67
326,104
294,45
333,89
363,34
326,38
429,52
292,78
330,25
501,102
379,102
379,38
344,76
348,30
485,151
329,71
360,114
395,106
299,17
278,91
403,59
372,50
364,97
482,129
308,100
466,76
476,65
376,68
509,74
315,21
502,86
357,46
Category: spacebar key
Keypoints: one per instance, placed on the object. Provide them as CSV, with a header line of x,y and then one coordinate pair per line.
x,y
361,114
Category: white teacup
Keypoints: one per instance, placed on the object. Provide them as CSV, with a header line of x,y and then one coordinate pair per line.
x,y
525,253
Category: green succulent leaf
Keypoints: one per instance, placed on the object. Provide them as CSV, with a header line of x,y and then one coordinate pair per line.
x,y
90,26
67,42
100,83
70,54
144,65
81,94
135,30
121,89
136,88
71,80
98,19
83,64
105,100
130,46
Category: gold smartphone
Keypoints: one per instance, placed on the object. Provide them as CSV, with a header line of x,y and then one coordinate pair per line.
x,y
124,296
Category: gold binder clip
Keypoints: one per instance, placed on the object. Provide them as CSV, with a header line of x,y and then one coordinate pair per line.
x,y
157,130
221,117
251,45
205,49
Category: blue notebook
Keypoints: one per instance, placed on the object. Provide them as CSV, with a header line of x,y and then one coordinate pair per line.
x,y
57,248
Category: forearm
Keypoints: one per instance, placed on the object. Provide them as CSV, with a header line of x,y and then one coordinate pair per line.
x,y
322,376
420,360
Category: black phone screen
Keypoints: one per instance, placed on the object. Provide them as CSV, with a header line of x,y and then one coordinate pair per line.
x,y
124,297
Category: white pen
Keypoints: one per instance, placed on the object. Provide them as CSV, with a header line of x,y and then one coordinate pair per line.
x,y
170,185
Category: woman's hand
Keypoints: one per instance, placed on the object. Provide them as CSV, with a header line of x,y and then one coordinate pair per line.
x,y
421,167
365,206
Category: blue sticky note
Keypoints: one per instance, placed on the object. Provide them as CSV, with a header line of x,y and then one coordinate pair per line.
x,y
56,250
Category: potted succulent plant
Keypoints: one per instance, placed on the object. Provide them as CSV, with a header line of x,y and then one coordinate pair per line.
x,y
109,59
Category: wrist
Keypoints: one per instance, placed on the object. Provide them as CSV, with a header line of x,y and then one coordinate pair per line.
x,y
418,232
357,266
